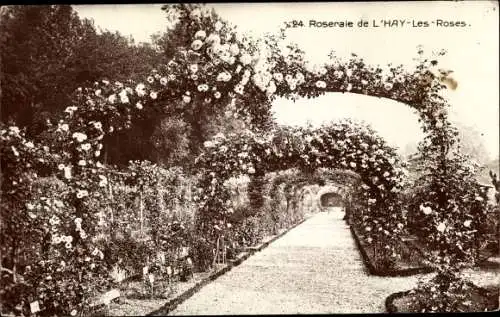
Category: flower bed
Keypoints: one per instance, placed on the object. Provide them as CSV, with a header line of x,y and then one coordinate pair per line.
x,y
176,292
374,263
475,299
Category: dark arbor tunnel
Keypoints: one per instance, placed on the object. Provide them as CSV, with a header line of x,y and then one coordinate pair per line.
x,y
331,200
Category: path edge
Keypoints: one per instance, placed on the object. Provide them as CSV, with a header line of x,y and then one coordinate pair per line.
x,y
176,301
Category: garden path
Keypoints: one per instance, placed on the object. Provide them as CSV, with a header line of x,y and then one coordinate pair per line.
x,y
314,268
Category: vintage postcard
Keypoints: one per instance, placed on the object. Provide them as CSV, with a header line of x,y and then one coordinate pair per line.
x,y
249,158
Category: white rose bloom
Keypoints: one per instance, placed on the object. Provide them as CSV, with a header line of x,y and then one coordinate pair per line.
x,y
112,98
70,110
271,89
140,90
467,223
138,105
200,35
98,125
81,193
196,45
82,162
299,76
193,68
441,227
153,95
67,172
426,210
239,89
208,144
80,137
218,26
213,39
245,59
186,99
163,81
278,76
103,181
123,96
15,130
247,73
320,84
223,76
86,146
234,49
54,220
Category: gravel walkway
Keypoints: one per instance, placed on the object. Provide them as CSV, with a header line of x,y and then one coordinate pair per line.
x,y
314,268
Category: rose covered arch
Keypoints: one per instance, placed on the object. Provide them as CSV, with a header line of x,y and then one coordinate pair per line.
x,y
213,67
343,145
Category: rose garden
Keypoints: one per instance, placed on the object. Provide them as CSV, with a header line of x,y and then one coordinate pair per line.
x,y
75,229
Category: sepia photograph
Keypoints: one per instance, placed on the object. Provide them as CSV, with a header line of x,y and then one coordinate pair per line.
x,y
249,158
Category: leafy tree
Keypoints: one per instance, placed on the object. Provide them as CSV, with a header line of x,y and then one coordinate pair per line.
x,y
48,51
39,46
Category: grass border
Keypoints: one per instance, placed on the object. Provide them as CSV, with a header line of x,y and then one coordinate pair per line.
x,y
176,301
